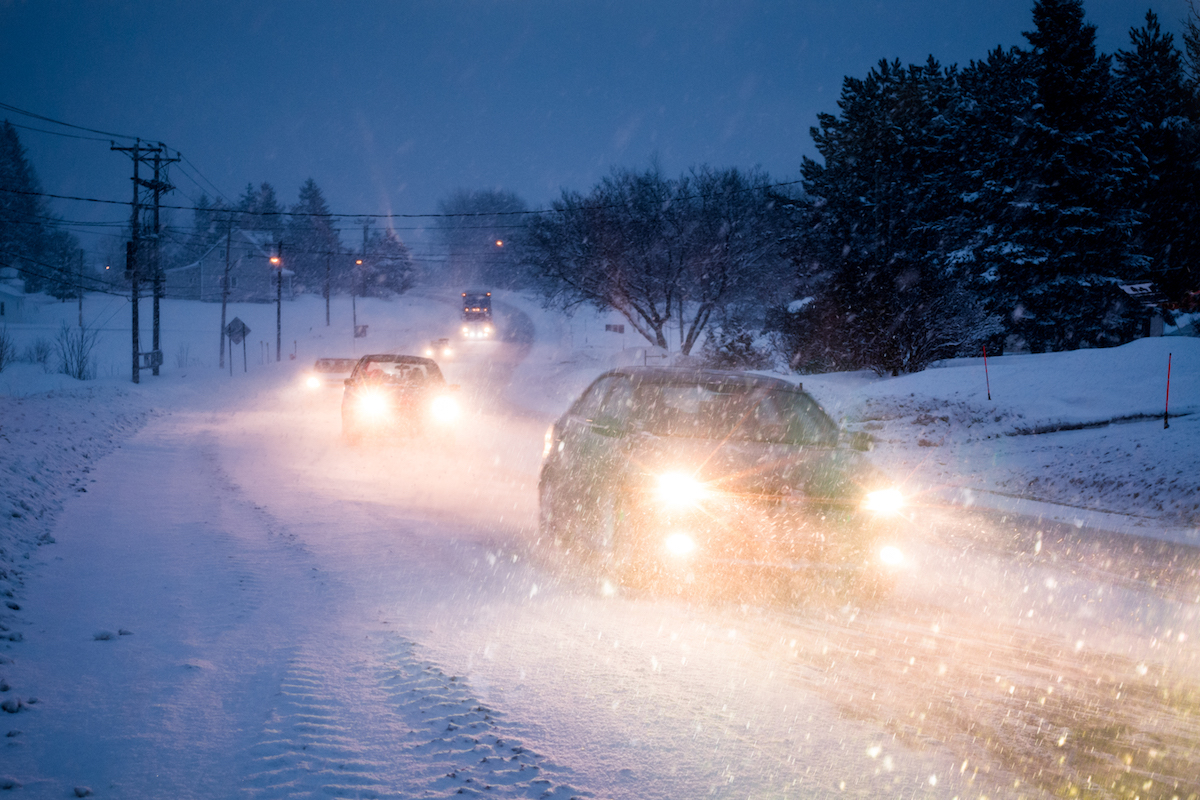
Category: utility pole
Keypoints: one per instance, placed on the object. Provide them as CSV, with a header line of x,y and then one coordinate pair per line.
x,y
360,266
79,280
131,248
328,256
158,186
279,304
133,254
225,289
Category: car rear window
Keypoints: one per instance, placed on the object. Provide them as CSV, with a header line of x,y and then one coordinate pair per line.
x,y
335,364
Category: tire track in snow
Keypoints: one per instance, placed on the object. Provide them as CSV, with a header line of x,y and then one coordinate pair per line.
x,y
399,727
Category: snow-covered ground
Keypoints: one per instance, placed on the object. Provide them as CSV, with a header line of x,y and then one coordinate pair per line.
x,y
209,595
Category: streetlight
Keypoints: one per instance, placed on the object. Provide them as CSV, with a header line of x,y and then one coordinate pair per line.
x,y
277,263
353,306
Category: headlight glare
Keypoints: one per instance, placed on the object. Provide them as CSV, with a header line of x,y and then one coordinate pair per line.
x,y
891,556
313,382
680,544
884,501
444,408
373,404
679,490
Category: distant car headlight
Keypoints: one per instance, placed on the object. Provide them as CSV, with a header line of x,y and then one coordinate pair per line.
x,y
679,490
447,353
884,501
891,556
312,382
429,352
373,404
444,408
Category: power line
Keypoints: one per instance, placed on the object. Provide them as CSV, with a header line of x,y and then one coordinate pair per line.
x,y
333,215
51,120
56,133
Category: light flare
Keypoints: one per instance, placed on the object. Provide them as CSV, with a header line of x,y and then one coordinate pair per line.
x,y
679,490
884,501
680,545
373,404
445,409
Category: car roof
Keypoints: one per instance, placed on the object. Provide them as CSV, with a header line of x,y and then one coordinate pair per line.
x,y
703,376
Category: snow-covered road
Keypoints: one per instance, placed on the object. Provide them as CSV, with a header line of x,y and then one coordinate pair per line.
x,y
242,606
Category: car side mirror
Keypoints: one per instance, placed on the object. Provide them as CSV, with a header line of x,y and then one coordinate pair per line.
x,y
861,441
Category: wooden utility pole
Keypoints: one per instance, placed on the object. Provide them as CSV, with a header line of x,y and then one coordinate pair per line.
x,y
131,248
225,290
279,305
134,254
79,280
158,186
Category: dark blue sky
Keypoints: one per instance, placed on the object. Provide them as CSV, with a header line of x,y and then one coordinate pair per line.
x,y
390,106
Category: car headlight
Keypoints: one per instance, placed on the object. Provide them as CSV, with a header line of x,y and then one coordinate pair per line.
x,y
313,382
373,404
884,501
679,490
444,408
891,556
680,545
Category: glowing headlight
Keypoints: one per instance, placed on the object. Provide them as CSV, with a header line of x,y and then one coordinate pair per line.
x,y
429,352
884,501
680,544
313,382
373,404
447,353
678,490
891,556
444,408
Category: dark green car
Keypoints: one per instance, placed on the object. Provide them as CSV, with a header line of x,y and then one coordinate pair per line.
x,y
679,475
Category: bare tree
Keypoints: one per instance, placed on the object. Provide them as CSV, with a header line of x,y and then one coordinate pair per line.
x,y
660,251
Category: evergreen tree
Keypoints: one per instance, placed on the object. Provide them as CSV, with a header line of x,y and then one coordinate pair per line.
x,y
312,241
886,225
23,214
1163,126
1067,222
259,210
389,267
31,240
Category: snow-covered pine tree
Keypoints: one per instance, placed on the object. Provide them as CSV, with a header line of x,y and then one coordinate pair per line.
x,y
886,202
1154,95
24,231
1068,217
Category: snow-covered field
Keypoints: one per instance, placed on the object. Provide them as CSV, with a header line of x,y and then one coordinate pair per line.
x,y
209,595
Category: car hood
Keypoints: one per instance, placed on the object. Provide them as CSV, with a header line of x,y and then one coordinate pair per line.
x,y
757,468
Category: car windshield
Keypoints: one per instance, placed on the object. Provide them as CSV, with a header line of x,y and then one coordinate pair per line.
x,y
748,413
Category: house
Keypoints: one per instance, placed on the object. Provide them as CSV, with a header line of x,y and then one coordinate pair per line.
x,y
13,306
252,276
